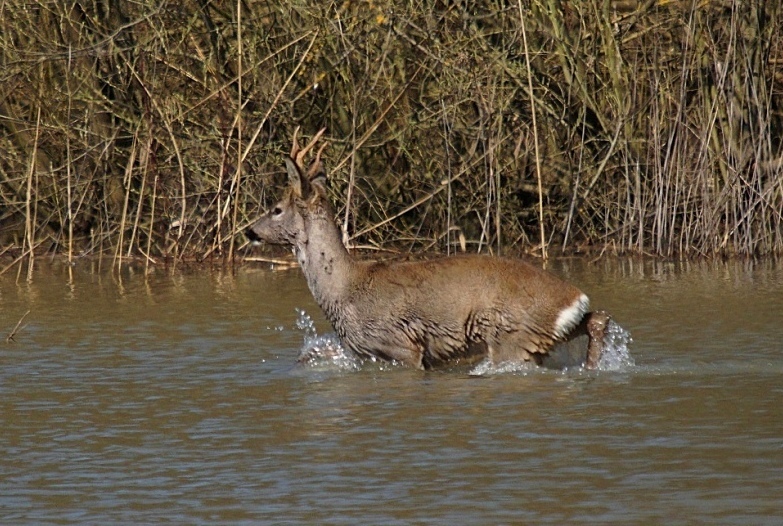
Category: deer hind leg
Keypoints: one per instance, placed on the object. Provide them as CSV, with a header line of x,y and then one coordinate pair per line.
x,y
583,346
597,322
510,347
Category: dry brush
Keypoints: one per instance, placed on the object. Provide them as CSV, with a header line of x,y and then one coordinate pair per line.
x,y
156,130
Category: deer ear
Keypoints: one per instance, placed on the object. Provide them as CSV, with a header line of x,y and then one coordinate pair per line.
x,y
299,183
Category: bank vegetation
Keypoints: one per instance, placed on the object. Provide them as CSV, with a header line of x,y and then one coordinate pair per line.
x,y
156,130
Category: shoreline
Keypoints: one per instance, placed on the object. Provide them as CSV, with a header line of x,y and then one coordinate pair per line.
x,y
280,259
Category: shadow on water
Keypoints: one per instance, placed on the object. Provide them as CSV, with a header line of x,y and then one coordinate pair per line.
x,y
133,398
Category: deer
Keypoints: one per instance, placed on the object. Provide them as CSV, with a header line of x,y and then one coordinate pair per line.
x,y
432,312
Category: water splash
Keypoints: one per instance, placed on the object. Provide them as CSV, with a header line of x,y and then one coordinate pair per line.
x,y
487,368
326,352
616,355
323,351
304,322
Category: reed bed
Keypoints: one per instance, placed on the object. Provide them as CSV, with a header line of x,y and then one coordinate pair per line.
x,y
156,130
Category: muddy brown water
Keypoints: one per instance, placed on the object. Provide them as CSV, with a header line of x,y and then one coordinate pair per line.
x,y
175,398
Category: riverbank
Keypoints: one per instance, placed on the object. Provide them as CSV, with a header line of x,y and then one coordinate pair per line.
x,y
642,127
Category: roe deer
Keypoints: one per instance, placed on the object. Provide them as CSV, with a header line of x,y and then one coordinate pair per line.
x,y
427,313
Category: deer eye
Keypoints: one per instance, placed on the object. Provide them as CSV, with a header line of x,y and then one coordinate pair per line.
x,y
277,211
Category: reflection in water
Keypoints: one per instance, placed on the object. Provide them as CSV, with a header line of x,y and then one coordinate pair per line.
x,y
133,398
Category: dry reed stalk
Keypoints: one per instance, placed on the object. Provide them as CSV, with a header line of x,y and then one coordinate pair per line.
x,y
535,133
351,178
148,258
285,85
183,193
575,192
143,164
30,215
238,119
180,223
68,158
15,330
447,150
127,184
235,180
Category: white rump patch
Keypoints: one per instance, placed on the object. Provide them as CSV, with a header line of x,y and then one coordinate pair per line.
x,y
571,316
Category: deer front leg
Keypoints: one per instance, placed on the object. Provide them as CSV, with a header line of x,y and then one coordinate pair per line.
x,y
391,352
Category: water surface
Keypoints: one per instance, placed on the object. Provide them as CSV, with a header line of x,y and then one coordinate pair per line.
x,y
175,397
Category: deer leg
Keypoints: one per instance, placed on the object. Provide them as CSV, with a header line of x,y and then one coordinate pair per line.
x,y
584,345
411,357
568,353
509,348
597,323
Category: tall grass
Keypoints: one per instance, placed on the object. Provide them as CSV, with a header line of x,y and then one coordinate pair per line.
x,y
157,131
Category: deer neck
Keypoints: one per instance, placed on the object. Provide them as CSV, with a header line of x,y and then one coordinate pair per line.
x,y
325,262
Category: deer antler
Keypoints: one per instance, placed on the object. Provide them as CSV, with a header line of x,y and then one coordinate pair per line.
x,y
298,154
317,166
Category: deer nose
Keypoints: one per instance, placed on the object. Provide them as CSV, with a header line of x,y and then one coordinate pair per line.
x,y
251,235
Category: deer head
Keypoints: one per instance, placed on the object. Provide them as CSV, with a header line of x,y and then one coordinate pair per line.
x,y
285,223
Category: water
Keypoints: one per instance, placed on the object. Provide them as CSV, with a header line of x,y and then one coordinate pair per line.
x,y
177,398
